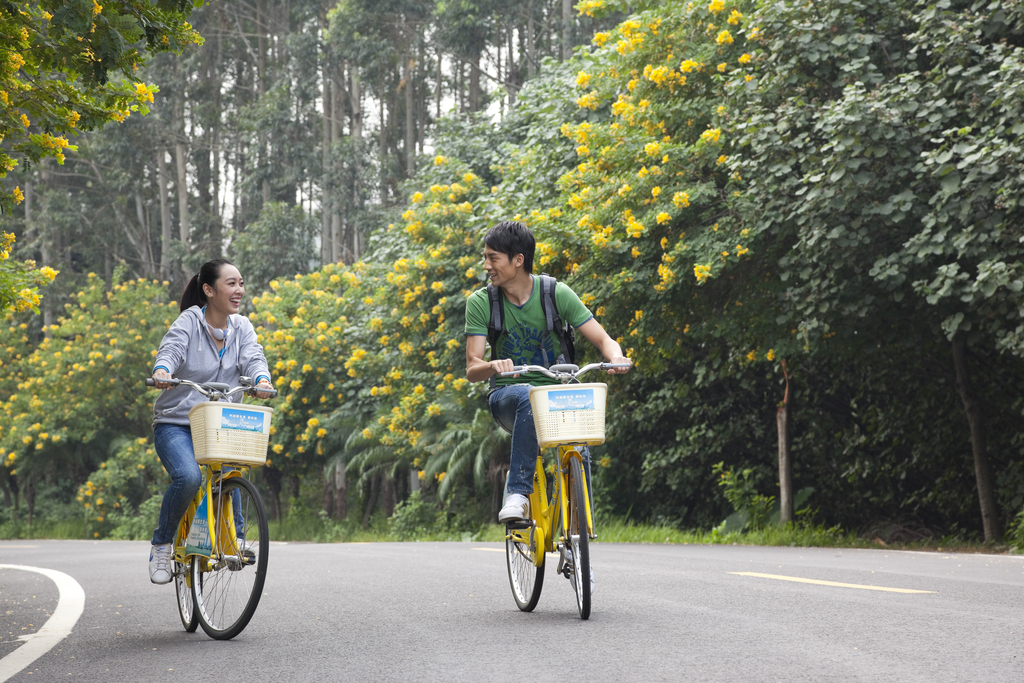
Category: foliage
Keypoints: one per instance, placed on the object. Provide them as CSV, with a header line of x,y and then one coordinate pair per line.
x,y
20,282
55,75
741,491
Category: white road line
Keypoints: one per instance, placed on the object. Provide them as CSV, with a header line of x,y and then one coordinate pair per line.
x,y
70,605
836,584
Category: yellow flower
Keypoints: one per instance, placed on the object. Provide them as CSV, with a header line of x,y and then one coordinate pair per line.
x,y
652,149
18,196
588,101
655,191
724,38
721,67
583,151
744,58
440,160
734,17
582,79
771,354
25,122
688,65
277,448
702,272
681,199
637,315
600,39
752,355
320,433
417,197
663,218
711,135
716,6
635,251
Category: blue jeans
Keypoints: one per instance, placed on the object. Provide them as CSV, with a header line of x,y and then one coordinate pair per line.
x,y
174,448
510,408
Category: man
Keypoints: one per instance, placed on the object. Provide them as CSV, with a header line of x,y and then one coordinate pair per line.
x,y
508,260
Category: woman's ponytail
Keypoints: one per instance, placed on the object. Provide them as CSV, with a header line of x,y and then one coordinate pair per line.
x,y
208,274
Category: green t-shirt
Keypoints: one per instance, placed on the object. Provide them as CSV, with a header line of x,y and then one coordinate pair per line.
x,y
525,333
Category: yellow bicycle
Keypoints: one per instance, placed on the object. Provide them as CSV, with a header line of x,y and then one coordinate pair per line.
x,y
222,544
569,417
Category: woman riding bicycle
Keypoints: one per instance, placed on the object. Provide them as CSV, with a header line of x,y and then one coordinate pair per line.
x,y
208,342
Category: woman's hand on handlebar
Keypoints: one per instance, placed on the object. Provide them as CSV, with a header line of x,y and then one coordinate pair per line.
x,y
619,371
159,375
264,383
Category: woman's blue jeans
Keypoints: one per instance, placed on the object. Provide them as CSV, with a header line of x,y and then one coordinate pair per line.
x,y
174,448
510,408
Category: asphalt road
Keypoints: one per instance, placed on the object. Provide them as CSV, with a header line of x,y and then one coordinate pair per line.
x,y
444,612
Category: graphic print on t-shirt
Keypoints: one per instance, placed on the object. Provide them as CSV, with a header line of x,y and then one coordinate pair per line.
x,y
524,344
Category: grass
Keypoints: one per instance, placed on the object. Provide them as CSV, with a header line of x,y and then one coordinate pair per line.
x,y
320,529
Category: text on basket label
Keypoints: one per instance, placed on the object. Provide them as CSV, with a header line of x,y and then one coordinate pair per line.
x,y
570,399
244,420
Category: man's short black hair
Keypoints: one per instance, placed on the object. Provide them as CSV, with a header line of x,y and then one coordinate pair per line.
x,y
511,238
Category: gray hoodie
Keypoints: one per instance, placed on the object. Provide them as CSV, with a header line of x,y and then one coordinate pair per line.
x,y
187,352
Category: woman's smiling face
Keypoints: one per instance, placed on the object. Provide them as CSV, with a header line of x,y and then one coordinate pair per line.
x,y
225,295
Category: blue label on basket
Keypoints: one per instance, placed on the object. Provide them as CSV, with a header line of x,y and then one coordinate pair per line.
x,y
570,399
244,420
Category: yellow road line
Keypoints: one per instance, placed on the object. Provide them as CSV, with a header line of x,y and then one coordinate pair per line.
x,y
798,579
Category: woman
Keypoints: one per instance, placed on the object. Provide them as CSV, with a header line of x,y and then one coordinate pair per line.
x,y
209,342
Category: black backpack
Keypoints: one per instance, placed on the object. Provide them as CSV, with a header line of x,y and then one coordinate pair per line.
x,y
560,328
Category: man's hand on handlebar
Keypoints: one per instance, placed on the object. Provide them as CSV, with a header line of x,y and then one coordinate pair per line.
x,y
619,360
503,365
160,375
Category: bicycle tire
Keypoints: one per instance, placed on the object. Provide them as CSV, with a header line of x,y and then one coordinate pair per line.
x,y
524,577
578,533
227,588
186,603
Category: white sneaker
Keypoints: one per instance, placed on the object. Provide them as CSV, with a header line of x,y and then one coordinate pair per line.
x,y
517,508
160,557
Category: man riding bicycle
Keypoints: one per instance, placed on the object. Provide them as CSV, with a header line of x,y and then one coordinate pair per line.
x,y
508,260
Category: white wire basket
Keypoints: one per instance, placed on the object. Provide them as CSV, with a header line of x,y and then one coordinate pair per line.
x,y
569,413
230,433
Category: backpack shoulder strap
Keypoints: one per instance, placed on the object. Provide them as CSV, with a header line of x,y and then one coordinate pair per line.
x,y
552,318
496,323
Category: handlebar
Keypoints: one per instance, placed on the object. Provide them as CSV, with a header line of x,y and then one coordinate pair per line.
x,y
217,391
563,372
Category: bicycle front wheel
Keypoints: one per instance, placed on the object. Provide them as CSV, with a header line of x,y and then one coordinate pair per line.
x,y
525,578
227,587
186,605
579,537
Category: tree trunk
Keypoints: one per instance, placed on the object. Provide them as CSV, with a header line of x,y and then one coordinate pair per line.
x,y
389,496
410,122
975,419
326,194
337,106
371,499
531,53
184,229
273,479
28,492
566,29
782,421
474,83
165,215
340,492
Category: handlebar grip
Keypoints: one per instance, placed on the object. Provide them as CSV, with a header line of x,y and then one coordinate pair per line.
x,y
516,370
150,382
271,393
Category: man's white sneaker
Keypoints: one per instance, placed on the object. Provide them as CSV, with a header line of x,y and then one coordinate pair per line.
x,y
517,508
160,557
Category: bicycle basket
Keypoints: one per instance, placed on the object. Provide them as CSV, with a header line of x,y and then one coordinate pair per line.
x,y
569,413
233,433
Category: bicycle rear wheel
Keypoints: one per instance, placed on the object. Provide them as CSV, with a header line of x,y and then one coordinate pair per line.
x,y
579,538
227,587
525,578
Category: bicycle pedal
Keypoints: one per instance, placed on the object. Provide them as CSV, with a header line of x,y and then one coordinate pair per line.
x,y
521,525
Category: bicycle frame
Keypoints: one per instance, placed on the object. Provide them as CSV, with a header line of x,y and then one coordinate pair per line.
x,y
222,534
548,516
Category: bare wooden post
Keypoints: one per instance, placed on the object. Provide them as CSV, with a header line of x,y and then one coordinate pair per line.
x,y
786,512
